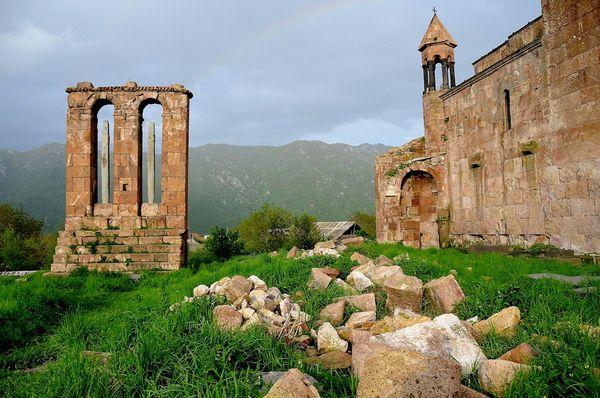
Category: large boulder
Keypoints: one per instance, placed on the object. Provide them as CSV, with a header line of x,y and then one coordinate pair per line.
x,y
403,291
318,279
365,269
328,244
332,360
345,287
227,317
382,261
380,274
406,373
328,339
401,319
330,272
359,281
503,323
333,313
292,253
364,302
523,354
360,258
444,293
353,241
257,283
294,384
444,337
236,287
201,290
361,319
495,375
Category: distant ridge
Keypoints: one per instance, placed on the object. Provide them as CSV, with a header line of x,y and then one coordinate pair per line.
x,y
330,181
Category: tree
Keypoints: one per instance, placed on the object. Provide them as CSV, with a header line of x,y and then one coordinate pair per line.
x,y
223,244
20,222
304,232
265,229
366,222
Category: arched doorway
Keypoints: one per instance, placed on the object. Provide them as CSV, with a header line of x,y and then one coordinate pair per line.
x,y
419,208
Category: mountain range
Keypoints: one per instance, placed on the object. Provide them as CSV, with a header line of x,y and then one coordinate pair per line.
x,y
226,182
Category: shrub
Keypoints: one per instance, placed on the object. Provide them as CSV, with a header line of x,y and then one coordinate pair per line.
x,y
223,244
367,224
304,232
199,257
266,229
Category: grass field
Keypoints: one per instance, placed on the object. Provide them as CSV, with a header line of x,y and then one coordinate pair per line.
x,y
48,322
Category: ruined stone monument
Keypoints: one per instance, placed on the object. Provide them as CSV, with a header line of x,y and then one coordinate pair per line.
x,y
124,234
512,154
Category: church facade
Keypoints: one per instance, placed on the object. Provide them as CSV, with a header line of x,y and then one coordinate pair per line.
x,y
512,154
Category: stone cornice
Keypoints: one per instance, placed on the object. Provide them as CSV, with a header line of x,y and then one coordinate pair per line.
x,y
493,68
129,87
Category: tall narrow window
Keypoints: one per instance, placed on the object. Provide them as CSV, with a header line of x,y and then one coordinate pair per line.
x,y
507,109
104,131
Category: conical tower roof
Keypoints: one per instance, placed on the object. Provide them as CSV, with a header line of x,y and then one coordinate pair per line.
x,y
436,33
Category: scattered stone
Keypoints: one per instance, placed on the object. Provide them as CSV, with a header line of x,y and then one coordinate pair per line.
x,y
227,317
401,257
353,241
135,277
318,279
333,313
523,354
328,339
503,323
269,317
257,299
592,331
444,293
293,252
383,261
274,253
201,290
359,281
453,272
270,378
330,272
247,313
403,291
473,320
236,287
472,331
466,392
365,269
364,302
329,244
382,273
257,283
360,258
360,319
571,280
495,375
294,384
390,324
583,291
97,355
346,287
332,360
445,336
406,373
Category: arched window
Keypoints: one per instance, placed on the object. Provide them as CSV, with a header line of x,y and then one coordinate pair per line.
x,y
152,121
103,139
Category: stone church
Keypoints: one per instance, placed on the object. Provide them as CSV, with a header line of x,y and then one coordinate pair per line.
x,y
512,154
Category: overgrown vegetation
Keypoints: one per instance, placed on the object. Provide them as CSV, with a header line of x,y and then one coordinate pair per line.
x,y
367,224
156,352
22,244
223,244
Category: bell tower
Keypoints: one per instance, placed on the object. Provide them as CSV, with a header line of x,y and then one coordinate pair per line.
x,y
436,47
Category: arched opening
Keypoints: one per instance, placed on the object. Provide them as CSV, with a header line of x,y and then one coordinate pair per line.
x,y
103,141
151,112
419,209
438,72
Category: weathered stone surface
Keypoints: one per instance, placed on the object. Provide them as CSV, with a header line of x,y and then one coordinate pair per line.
x,y
292,253
402,320
236,287
360,319
466,392
571,280
495,375
201,290
328,339
227,317
523,354
359,281
445,336
247,312
318,280
332,360
366,269
257,283
294,384
403,292
329,244
353,241
503,323
333,313
270,317
405,373
345,287
444,293
360,258
380,274
257,299
383,261
333,273
364,302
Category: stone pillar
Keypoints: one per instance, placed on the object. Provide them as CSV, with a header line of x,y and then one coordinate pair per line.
x,y
425,82
104,163
151,162
431,66
445,74
127,158
452,79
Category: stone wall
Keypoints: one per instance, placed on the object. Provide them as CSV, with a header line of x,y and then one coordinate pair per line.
x,y
125,234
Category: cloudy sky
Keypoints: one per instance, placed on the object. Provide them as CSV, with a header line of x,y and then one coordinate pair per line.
x,y
263,72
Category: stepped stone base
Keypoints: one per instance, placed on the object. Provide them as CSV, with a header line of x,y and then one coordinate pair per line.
x,y
123,244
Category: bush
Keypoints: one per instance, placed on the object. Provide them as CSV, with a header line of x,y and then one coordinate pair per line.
x,y
266,229
223,244
367,224
199,257
304,232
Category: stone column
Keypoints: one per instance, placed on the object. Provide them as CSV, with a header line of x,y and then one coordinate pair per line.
x,y
445,74
452,80
425,83
431,66
151,162
104,163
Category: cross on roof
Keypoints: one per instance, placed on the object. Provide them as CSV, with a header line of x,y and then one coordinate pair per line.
x,y
434,10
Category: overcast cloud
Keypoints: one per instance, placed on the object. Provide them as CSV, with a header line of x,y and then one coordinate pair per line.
x,y
263,72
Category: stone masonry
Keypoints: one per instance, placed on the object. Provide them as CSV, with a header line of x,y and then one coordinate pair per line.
x,y
125,234
512,154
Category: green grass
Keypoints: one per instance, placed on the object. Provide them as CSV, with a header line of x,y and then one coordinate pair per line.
x,y
156,352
